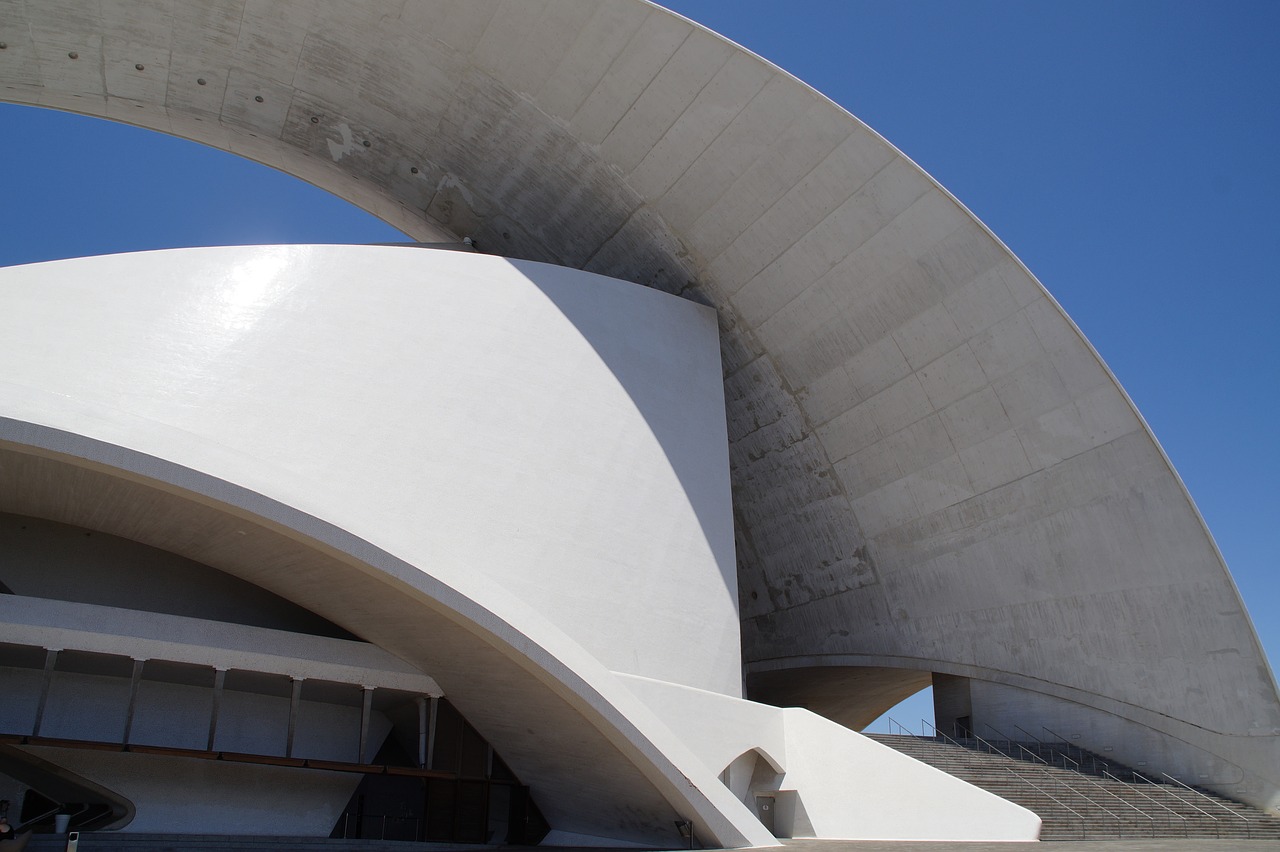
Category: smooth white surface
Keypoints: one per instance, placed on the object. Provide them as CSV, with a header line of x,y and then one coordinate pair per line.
x,y
155,636
505,446
237,798
845,785
562,434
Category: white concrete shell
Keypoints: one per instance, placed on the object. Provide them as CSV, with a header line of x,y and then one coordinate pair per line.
x,y
932,470
513,476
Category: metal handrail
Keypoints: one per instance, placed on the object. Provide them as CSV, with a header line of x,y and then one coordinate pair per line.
x,y
1023,779
1029,752
1080,793
1001,733
1092,759
1065,758
1092,783
1043,768
1209,799
1192,804
1127,804
938,733
1051,731
1185,830
902,727
1028,733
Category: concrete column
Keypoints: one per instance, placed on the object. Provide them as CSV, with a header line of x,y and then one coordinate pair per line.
x,y
421,701
294,698
134,682
50,660
219,680
431,731
366,707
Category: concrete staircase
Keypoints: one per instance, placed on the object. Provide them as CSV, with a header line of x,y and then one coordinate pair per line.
x,y
1081,796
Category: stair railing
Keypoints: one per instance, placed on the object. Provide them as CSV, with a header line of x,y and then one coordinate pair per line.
x,y
991,749
902,728
1247,822
1028,733
1216,831
1186,832
1036,758
1092,758
1091,782
1022,779
1044,770
1150,819
938,733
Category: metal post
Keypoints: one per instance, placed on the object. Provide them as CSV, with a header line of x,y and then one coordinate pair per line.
x,y
366,707
422,731
294,698
50,660
133,699
431,732
219,679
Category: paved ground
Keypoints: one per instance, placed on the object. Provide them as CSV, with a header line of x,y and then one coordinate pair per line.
x,y
1193,845
49,843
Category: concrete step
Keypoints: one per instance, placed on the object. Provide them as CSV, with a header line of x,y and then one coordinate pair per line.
x,y
1077,799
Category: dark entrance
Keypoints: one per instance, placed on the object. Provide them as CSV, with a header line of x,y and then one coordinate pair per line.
x,y
466,795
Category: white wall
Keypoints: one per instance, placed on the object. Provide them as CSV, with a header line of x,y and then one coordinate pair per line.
x,y
510,474
563,430
833,782
183,796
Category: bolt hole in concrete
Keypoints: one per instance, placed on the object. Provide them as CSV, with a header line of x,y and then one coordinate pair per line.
x,y
140,67
258,98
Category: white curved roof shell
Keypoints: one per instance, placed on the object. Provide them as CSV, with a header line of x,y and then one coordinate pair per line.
x,y
931,467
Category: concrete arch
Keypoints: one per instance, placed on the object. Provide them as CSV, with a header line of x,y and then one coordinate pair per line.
x,y
929,461
531,692
367,535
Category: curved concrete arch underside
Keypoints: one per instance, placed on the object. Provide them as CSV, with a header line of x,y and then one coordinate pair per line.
x,y
932,469
553,710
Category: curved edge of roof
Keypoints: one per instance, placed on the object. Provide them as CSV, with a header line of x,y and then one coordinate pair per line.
x,y
554,665
940,187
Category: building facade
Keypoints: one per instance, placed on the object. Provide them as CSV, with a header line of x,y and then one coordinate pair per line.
x,y
839,445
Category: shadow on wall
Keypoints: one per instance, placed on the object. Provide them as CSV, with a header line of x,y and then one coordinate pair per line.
x,y
703,475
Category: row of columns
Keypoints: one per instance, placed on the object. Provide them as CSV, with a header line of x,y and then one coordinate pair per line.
x,y
428,709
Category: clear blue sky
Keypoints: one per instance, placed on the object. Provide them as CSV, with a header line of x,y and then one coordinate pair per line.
x,y
1126,151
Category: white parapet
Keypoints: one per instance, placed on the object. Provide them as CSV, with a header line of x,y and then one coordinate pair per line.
x,y
824,780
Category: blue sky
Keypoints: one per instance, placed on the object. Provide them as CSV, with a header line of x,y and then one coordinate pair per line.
x,y
1124,150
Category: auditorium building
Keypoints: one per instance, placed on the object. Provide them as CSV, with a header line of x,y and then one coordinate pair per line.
x,y
697,428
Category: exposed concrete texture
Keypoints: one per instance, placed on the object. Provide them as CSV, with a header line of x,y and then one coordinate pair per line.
x,y
931,468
